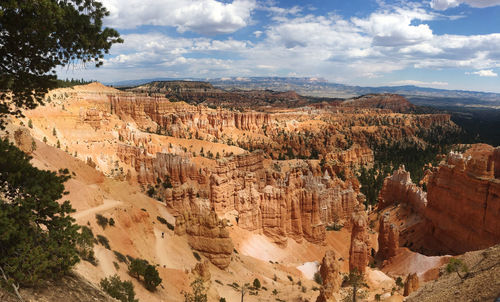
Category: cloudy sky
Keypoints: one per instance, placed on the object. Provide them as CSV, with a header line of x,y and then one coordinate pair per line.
x,y
450,44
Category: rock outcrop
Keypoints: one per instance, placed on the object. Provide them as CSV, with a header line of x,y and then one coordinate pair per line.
x,y
359,252
411,284
207,234
398,188
202,270
464,201
388,238
330,274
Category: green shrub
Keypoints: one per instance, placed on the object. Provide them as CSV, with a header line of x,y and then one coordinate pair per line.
x,y
199,292
197,256
399,282
103,241
161,219
256,283
151,191
317,278
102,221
120,290
120,257
457,266
85,245
111,222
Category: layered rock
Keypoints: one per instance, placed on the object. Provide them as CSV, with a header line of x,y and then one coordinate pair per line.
x,y
180,119
464,201
359,252
330,274
353,158
411,284
177,168
388,238
207,234
295,204
398,188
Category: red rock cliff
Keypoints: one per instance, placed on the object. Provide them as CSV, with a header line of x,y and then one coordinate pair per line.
x,y
463,207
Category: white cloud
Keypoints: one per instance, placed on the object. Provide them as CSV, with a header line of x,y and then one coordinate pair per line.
x,y
293,42
395,28
202,16
419,83
446,4
484,73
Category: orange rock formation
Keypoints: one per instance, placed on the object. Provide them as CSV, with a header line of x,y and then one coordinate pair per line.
x,y
464,201
399,188
330,274
411,284
388,238
208,235
359,251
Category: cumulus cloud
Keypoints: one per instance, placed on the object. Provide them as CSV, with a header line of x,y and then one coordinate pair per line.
x,y
340,49
484,73
395,28
208,17
446,4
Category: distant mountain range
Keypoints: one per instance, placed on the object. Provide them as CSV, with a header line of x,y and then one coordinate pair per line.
x,y
317,87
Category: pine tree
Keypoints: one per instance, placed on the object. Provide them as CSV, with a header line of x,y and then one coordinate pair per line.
x,y
38,36
118,289
37,235
151,278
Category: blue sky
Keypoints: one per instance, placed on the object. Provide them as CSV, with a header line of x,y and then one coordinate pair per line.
x,y
449,44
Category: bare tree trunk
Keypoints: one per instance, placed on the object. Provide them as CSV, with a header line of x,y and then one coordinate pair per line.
x,y
15,287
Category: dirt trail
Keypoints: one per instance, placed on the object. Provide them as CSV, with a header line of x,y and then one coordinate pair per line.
x,y
107,204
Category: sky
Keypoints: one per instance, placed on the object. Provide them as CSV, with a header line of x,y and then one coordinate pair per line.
x,y
448,44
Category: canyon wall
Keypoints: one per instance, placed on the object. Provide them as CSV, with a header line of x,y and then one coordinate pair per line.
x,y
464,201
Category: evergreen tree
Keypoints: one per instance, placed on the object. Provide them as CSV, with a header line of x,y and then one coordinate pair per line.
x,y
37,236
199,292
151,278
137,268
38,36
118,289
